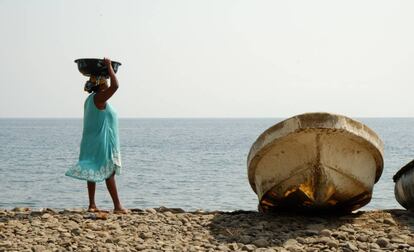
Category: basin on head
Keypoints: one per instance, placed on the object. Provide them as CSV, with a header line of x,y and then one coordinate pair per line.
x,y
95,67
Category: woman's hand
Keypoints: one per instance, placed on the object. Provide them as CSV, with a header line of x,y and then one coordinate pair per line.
x,y
108,64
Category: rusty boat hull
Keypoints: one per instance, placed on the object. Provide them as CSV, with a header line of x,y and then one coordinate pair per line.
x,y
315,162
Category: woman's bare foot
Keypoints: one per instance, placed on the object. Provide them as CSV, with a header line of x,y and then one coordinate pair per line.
x,y
93,209
120,210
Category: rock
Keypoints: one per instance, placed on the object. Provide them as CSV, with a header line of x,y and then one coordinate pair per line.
x,y
348,230
261,242
245,239
5,244
76,231
140,247
151,210
333,243
38,248
248,247
145,235
51,210
376,250
351,246
168,214
35,213
362,238
325,232
233,246
340,235
46,216
65,234
290,242
311,232
301,240
403,246
390,221
397,240
21,209
223,248
382,242
374,246
90,236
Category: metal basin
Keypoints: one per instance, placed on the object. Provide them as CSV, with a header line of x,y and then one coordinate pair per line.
x,y
315,162
95,67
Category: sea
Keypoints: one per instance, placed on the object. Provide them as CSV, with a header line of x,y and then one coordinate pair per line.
x,y
182,163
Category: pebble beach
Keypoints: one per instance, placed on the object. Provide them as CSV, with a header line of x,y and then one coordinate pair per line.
x,y
172,229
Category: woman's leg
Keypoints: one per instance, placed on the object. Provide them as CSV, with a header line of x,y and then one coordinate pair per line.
x,y
111,185
91,194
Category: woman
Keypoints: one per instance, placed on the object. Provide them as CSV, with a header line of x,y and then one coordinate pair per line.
x,y
99,157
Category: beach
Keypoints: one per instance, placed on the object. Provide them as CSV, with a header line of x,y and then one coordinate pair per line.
x,y
173,229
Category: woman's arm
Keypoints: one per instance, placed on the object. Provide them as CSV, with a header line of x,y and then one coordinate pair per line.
x,y
103,96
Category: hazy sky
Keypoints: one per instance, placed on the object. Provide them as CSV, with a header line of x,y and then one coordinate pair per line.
x,y
211,58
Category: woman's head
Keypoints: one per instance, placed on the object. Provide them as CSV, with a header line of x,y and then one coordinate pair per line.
x,y
95,84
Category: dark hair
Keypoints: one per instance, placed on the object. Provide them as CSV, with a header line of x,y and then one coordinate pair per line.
x,y
94,89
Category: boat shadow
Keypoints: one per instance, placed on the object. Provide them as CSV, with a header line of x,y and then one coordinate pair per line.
x,y
403,218
274,229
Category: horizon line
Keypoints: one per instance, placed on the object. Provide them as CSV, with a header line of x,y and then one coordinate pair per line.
x,y
201,117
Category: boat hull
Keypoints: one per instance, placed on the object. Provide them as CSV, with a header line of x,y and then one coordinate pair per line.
x,y
404,186
315,161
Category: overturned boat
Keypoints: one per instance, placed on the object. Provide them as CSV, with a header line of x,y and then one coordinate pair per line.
x,y
404,186
315,161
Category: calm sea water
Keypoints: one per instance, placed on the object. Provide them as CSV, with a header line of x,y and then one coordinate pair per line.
x,y
186,163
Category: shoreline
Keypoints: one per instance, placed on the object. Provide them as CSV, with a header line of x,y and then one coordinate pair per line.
x,y
173,229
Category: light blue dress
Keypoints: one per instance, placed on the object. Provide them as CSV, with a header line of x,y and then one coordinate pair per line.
x,y
99,154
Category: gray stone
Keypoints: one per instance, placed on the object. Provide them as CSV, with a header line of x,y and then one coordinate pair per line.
x,y
76,231
261,242
362,238
351,246
326,232
245,239
301,240
290,242
140,247
333,243
382,242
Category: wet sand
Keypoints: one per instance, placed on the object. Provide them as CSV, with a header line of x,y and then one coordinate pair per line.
x,y
164,229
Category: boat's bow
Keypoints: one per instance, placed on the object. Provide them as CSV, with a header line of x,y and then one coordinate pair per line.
x,y
315,161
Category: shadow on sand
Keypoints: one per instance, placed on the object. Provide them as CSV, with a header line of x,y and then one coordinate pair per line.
x,y
272,229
